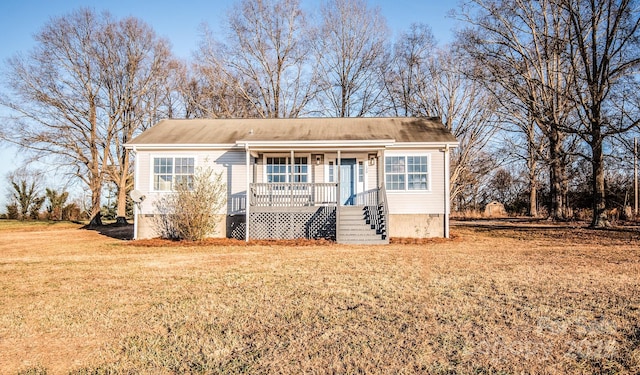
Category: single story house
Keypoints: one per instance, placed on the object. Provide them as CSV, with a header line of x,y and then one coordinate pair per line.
x,y
354,180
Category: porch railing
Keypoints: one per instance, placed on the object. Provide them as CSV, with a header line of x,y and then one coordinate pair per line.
x,y
376,210
367,198
296,194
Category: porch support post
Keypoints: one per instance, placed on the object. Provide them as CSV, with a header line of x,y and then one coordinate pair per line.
x,y
247,203
338,203
380,168
292,176
338,177
447,193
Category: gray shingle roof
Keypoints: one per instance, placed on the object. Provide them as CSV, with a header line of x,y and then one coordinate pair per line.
x,y
230,131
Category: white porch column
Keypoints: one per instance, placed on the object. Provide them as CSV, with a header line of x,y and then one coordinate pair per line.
x,y
338,179
338,200
292,174
247,203
447,193
292,164
381,180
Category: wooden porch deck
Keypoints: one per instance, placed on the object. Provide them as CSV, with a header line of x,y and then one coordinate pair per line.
x,y
312,210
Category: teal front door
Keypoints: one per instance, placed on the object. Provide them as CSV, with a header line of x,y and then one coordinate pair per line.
x,y
347,181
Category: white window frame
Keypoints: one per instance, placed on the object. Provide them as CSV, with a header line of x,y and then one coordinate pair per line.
x,y
406,172
330,172
289,165
286,173
173,157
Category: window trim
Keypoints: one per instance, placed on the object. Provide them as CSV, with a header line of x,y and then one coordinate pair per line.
x,y
265,176
330,175
152,174
406,174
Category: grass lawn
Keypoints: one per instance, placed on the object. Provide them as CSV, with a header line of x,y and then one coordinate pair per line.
x,y
521,299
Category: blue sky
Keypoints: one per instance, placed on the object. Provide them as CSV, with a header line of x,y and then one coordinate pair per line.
x,y
180,23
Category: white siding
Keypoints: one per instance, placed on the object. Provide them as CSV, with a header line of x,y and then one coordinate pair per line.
x,y
427,202
260,173
233,166
143,166
318,172
230,163
371,175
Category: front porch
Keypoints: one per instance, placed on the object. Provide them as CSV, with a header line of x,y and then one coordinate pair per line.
x,y
316,191
315,210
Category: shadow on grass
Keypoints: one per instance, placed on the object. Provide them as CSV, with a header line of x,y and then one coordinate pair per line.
x,y
117,231
578,230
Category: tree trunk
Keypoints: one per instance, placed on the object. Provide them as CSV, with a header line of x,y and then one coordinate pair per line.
x,y
96,216
121,211
96,220
533,182
121,217
95,178
556,172
599,219
533,198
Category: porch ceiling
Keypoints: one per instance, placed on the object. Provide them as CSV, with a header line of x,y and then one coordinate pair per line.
x,y
315,146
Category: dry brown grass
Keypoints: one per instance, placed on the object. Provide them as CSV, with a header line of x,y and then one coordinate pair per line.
x,y
506,299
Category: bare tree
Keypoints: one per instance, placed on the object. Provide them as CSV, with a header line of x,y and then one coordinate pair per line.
x,y
350,53
264,58
55,102
467,109
25,192
409,71
90,83
211,91
135,66
521,46
605,39
531,152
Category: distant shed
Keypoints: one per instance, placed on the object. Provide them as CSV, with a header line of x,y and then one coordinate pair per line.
x,y
495,209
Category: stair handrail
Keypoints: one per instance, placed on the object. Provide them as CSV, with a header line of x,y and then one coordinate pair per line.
x,y
382,202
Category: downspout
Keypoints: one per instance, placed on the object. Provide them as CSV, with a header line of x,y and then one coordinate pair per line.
x,y
447,192
383,184
247,204
338,199
136,210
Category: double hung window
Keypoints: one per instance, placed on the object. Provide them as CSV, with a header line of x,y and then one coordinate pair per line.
x,y
407,173
417,173
279,169
331,172
168,172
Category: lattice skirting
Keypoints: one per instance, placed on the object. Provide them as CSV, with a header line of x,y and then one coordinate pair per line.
x,y
298,222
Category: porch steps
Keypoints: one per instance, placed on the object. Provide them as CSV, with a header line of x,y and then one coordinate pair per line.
x,y
354,229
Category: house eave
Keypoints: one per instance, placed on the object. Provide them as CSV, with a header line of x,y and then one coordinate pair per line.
x,y
355,145
319,145
426,145
170,146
